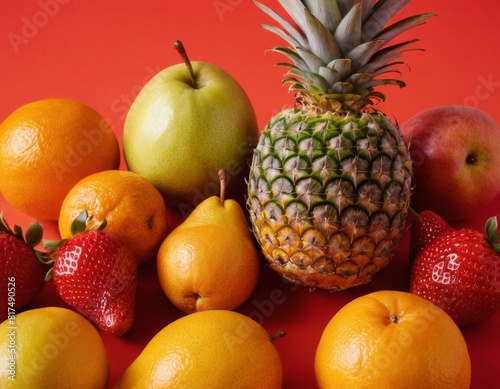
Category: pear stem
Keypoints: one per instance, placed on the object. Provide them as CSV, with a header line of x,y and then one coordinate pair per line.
x,y
222,178
182,51
277,335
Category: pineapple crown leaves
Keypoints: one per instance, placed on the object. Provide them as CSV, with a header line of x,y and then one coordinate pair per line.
x,y
33,236
339,49
79,225
491,233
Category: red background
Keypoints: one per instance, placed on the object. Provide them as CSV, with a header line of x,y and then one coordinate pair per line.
x,y
102,53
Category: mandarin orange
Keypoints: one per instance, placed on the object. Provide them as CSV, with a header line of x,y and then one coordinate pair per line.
x,y
46,147
392,339
133,208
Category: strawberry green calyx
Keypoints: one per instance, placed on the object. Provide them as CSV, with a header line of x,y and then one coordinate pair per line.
x,y
491,232
33,236
78,226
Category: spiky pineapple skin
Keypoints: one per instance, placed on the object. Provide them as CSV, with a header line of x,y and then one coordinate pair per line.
x,y
328,195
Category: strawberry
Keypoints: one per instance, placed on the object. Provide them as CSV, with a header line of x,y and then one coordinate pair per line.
x,y
459,271
96,274
22,273
427,226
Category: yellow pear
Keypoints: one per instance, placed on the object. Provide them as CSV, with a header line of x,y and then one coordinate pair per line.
x,y
210,349
210,261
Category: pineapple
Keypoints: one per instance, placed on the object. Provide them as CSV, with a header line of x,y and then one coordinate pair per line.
x,y
330,179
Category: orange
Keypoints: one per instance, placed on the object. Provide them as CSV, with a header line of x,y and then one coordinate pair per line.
x,y
392,339
54,348
46,147
209,349
133,208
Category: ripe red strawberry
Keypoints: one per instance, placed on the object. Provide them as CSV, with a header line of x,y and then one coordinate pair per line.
x,y
22,274
427,226
460,272
97,275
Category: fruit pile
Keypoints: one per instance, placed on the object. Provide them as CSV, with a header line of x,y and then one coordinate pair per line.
x,y
322,195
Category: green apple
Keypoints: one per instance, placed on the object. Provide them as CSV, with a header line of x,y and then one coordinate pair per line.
x,y
187,123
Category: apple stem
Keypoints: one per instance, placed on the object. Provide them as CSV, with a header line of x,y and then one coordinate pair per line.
x,y
182,51
222,178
